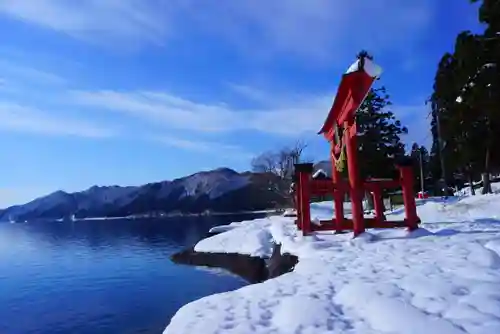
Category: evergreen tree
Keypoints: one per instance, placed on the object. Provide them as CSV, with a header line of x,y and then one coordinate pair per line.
x,y
379,141
477,98
458,122
489,13
420,156
465,102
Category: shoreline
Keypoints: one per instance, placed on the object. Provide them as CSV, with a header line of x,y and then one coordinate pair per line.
x,y
251,268
342,283
175,215
166,216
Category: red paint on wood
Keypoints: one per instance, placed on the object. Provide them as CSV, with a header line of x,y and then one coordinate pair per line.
x,y
406,173
338,199
378,204
355,184
305,199
298,202
351,93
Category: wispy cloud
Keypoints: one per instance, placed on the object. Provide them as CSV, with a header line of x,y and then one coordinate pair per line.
x,y
22,87
415,117
231,151
194,145
161,108
292,115
252,93
93,19
17,72
318,29
18,118
175,112
281,114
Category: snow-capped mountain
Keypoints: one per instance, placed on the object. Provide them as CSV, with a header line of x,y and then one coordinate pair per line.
x,y
325,166
221,190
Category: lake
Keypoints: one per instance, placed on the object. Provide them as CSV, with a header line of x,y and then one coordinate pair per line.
x,y
111,276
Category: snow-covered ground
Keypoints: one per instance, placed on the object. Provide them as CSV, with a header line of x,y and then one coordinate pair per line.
x,y
495,187
443,278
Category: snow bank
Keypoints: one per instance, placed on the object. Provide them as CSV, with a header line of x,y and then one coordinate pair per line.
x,y
251,238
225,228
495,187
442,278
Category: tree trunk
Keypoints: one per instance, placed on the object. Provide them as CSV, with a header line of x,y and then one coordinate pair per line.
x,y
369,201
486,175
471,185
486,183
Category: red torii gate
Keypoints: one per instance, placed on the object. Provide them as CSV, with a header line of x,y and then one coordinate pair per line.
x,y
340,130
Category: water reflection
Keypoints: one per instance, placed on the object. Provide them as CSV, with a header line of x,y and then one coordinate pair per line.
x,y
110,276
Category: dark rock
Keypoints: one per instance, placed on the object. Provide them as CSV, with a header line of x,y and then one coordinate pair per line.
x,y
252,269
280,264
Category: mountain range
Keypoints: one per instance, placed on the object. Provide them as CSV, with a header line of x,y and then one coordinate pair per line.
x,y
219,190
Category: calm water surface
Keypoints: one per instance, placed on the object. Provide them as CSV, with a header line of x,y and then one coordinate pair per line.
x,y
101,276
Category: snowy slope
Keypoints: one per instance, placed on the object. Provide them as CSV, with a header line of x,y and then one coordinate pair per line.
x,y
443,278
495,187
215,183
114,195
325,166
53,202
194,193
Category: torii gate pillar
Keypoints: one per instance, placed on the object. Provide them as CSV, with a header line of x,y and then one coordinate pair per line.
x,y
355,183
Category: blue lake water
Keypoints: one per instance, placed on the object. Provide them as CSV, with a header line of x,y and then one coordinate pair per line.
x,y
97,277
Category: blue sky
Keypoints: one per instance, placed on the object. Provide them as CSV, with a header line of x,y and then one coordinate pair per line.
x,y
131,91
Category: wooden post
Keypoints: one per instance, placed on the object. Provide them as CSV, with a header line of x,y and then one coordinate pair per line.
x,y
298,197
378,202
338,199
354,180
304,172
297,210
406,173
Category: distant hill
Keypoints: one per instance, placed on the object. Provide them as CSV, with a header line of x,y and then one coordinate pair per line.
x,y
325,166
219,190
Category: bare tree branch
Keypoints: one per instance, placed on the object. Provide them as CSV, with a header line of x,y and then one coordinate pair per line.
x,y
280,164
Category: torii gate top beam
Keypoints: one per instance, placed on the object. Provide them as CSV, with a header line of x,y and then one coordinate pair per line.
x,y
354,87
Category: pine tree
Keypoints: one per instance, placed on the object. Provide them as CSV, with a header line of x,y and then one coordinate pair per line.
x,y
379,131
458,122
489,13
421,159
477,96
465,101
